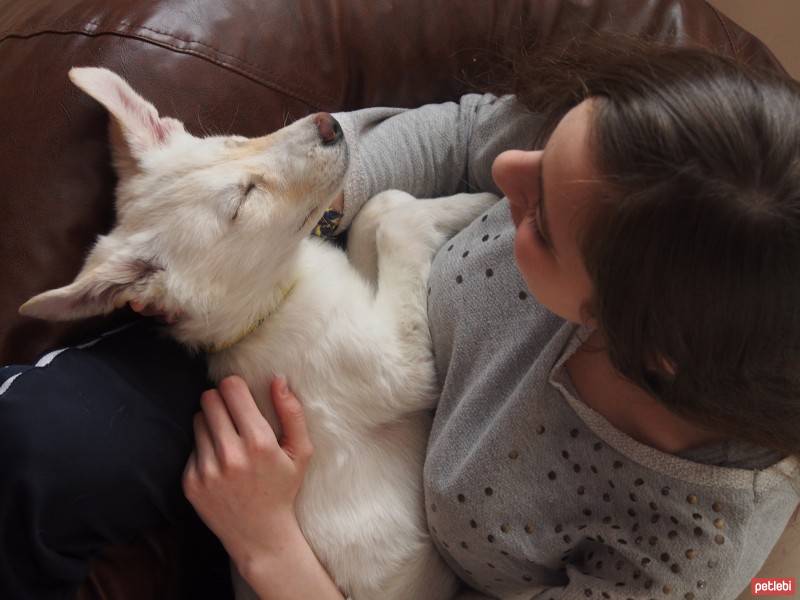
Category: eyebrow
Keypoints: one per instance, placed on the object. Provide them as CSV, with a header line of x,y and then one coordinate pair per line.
x,y
543,217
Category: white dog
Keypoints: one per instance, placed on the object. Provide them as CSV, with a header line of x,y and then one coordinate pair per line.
x,y
218,229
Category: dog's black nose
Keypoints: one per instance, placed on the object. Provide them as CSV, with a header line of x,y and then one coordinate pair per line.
x,y
329,129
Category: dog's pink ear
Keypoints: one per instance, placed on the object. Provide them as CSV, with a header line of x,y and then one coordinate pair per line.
x,y
141,127
96,291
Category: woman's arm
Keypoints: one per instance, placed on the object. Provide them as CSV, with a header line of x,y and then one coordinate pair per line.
x,y
293,572
243,484
434,150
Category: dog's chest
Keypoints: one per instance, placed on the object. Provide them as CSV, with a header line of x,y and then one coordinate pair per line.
x,y
258,360
312,349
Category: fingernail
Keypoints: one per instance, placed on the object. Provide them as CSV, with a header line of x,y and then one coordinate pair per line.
x,y
282,387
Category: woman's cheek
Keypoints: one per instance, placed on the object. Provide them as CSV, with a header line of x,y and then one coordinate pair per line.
x,y
517,212
528,255
535,266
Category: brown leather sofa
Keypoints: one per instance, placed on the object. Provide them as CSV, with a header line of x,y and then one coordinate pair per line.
x,y
245,67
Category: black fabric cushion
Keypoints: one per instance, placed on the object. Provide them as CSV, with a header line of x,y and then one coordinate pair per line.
x,y
94,439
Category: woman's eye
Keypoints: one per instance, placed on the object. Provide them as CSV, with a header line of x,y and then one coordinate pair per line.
x,y
534,221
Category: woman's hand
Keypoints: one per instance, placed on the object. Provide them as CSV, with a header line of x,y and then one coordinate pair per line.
x,y
240,479
243,484
157,311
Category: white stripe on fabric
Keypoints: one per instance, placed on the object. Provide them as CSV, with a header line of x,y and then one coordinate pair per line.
x,y
89,344
7,383
48,358
117,330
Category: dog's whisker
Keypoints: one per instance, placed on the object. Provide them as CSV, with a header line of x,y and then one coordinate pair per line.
x,y
233,118
203,129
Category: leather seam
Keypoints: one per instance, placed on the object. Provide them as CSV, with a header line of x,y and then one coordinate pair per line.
x,y
725,28
255,68
236,64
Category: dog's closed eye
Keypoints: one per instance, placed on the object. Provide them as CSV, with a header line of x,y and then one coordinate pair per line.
x,y
250,187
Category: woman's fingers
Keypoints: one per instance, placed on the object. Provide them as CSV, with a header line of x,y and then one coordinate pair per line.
x,y
189,479
295,441
147,310
220,425
154,310
253,428
248,420
206,460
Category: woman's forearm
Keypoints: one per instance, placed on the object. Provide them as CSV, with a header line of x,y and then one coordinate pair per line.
x,y
291,572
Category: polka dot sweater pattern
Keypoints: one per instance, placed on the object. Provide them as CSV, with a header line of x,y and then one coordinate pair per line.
x,y
527,491
530,493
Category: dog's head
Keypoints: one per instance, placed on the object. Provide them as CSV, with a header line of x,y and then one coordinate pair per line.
x,y
200,221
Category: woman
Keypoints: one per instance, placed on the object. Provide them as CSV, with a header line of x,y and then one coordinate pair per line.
x,y
616,340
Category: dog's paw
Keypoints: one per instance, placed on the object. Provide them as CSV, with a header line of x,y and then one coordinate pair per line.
x,y
379,207
451,214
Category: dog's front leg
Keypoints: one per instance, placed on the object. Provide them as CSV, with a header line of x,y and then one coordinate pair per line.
x,y
407,236
361,247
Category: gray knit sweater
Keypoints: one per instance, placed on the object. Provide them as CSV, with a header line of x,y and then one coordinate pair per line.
x,y
529,492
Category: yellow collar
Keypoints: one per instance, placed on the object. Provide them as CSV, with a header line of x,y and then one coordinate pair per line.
x,y
225,345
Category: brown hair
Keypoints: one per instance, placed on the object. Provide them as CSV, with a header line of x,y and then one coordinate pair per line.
x,y
695,256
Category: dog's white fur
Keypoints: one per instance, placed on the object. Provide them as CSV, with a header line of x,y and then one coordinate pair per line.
x,y
351,336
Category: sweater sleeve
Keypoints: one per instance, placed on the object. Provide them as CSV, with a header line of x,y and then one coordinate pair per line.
x,y
434,150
